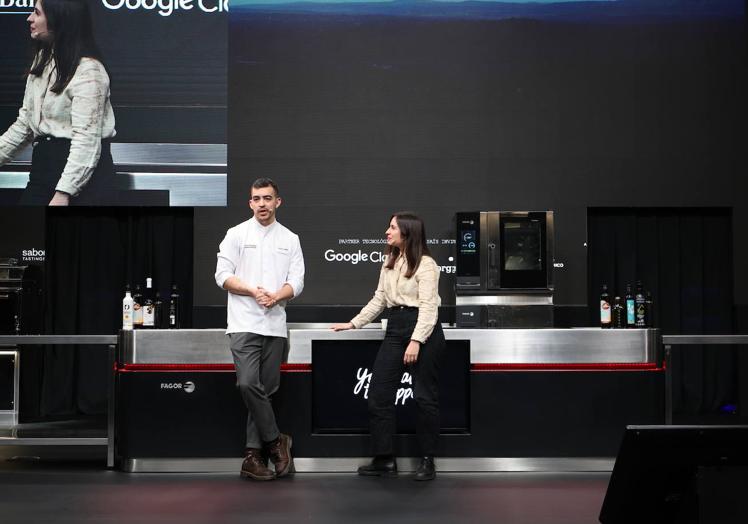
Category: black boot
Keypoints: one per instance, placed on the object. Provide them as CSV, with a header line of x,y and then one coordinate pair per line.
x,y
380,467
426,470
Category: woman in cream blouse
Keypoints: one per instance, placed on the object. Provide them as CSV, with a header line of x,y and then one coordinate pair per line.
x,y
66,111
409,288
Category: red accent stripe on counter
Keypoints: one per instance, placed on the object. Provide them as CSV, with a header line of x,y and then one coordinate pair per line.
x,y
592,366
126,368
296,368
307,368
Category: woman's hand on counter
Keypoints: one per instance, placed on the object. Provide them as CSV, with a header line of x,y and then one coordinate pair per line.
x,y
341,327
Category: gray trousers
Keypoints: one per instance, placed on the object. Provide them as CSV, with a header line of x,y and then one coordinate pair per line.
x,y
257,359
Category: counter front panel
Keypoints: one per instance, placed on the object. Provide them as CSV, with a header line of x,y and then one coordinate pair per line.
x,y
503,393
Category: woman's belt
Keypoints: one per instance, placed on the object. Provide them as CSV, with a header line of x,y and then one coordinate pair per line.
x,y
402,308
49,138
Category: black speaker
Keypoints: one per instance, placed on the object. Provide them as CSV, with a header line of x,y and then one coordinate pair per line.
x,y
679,474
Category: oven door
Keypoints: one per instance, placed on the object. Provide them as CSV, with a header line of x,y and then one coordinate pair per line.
x,y
523,250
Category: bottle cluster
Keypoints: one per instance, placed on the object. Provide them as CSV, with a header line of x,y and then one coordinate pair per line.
x,y
145,309
634,310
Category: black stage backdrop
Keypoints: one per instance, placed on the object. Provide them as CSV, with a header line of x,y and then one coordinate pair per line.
x,y
362,109
92,254
684,257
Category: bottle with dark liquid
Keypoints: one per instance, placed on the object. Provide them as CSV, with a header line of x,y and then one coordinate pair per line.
x,y
619,316
605,312
630,308
149,317
137,308
175,314
158,311
640,303
650,311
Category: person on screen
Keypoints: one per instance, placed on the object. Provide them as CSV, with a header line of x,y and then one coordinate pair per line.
x,y
409,288
66,112
261,265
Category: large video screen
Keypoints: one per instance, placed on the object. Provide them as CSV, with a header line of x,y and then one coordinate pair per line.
x,y
167,65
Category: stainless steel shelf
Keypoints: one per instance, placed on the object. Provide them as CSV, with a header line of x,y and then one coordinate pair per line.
x,y
25,340
683,340
53,441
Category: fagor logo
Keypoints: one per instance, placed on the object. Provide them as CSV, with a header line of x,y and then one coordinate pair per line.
x,y
167,7
187,387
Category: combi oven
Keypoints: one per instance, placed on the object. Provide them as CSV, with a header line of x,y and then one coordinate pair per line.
x,y
504,269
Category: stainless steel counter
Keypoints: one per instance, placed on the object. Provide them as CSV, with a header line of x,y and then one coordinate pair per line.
x,y
498,430
193,174
487,346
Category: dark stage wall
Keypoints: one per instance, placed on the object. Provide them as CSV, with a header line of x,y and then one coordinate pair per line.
x,y
360,111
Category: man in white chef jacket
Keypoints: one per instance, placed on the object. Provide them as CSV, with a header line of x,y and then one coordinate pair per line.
x,y
261,265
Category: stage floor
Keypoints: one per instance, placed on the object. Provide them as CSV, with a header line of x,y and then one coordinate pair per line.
x,y
33,490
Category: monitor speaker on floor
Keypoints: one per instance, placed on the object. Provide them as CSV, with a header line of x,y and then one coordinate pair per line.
x,y
679,474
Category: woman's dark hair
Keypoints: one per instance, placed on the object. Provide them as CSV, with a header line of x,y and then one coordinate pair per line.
x,y
413,233
71,38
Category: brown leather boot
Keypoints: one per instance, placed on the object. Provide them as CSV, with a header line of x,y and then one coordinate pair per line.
x,y
280,453
255,467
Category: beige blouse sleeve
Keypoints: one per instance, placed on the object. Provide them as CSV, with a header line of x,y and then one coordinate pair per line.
x,y
375,306
427,278
89,90
19,134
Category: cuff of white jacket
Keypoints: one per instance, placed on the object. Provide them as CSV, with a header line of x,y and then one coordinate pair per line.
x,y
222,277
295,286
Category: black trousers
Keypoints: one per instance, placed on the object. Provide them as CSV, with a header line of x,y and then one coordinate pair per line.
x,y
47,164
386,376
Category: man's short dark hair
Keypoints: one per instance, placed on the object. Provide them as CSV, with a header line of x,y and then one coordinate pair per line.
x,y
264,182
